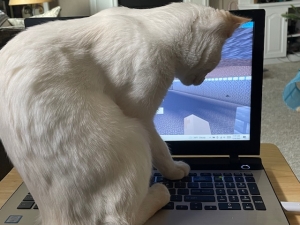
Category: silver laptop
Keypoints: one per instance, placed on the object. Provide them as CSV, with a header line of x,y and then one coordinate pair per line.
x,y
220,117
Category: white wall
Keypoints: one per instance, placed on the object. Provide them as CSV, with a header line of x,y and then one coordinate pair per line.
x,y
72,7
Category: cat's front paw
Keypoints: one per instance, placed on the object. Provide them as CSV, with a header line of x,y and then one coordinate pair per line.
x,y
180,170
161,192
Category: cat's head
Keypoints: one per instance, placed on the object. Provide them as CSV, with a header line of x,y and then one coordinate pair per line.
x,y
202,46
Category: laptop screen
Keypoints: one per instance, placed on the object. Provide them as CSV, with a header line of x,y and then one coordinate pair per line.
x,y
222,116
219,108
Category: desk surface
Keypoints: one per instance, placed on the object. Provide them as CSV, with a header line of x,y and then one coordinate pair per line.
x,y
284,182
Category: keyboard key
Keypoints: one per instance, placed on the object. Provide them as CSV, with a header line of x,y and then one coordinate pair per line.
x,y
159,179
196,206
193,198
228,179
183,180
25,205
230,185
176,198
210,207
238,174
240,185
36,207
239,179
245,199
187,179
206,185
249,179
220,192
222,198
218,179
168,184
28,198
231,192
183,191
182,207
193,185
202,179
202,192
192,174
217,174
219,185
229,206
227,174
258,203
180,185
170,205
233,198
253,189
248,174
205,174
247,206
243,192
172,191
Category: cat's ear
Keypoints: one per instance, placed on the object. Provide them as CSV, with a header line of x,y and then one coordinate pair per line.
x,y
230,22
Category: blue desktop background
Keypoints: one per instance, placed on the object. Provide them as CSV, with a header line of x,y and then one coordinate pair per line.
x,y
224,104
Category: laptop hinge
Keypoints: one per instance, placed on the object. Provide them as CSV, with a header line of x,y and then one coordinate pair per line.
x,y
234,159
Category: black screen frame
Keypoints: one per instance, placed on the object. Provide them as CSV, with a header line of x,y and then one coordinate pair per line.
x,y
145,4
237,147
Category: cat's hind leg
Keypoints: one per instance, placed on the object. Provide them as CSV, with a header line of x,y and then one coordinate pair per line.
x,y
158,196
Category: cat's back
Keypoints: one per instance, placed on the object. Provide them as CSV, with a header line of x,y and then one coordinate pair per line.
x,y
47,45
62,48
48,65
42,40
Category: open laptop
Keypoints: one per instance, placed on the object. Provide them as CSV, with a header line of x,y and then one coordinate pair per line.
x,y
220,119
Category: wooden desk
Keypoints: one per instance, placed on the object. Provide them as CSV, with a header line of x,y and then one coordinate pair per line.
x,y
285,184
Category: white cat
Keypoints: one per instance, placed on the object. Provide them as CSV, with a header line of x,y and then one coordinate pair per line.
x,y
77,101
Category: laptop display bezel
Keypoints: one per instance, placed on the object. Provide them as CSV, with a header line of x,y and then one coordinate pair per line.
x,y
237,147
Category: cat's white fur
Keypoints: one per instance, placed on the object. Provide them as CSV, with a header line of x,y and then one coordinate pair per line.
x,y
77,101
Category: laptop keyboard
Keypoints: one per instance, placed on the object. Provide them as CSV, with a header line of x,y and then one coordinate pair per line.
x,y
202,191
213,191
28,203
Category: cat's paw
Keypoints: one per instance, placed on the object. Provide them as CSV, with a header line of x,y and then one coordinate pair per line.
x,y
180,170
161,193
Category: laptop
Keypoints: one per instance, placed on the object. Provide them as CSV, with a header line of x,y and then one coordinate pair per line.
x,y
212,127
30,22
